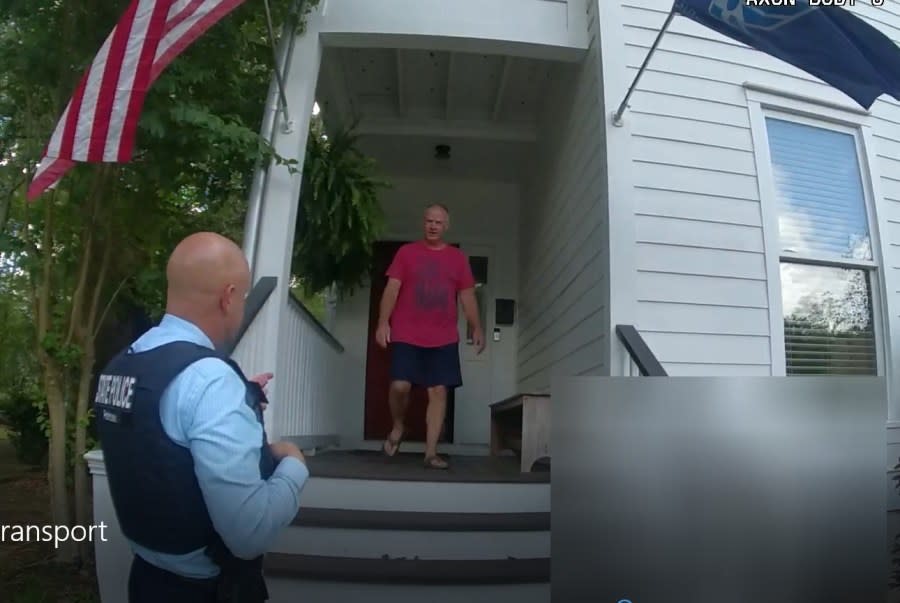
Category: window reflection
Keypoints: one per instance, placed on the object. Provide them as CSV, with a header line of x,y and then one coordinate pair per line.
x,y
827,320
821,202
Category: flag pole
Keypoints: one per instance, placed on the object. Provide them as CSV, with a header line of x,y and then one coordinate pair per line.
x,y
287,126
617,116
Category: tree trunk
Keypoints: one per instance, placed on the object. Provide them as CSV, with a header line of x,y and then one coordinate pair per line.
x,y
59,498
86,324
5,202
57,469
82,506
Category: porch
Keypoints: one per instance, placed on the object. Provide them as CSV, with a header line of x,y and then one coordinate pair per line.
x,y
512,143
510,136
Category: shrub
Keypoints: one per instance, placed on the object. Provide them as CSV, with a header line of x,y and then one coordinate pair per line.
x,y
23,414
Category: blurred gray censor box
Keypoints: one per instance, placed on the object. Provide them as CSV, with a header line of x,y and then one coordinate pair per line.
x,y
714,490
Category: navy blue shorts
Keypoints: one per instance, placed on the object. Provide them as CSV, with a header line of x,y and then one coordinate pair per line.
x,y
426,367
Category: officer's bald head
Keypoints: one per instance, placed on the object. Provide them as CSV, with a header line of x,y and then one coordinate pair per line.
x,y
208,281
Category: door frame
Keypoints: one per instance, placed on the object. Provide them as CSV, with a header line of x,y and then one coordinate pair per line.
x,y
468,358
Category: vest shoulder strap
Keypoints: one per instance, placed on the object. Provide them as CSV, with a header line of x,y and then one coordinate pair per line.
x,y
170,359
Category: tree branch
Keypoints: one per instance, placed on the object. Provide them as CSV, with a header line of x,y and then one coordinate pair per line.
x,y
109,304
79,293
6,202
78,297
67,34
91,327
43,296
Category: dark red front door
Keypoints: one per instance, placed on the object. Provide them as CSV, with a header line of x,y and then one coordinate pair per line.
x,y
378,367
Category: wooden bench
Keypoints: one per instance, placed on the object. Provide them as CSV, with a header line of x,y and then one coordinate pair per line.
x,y
521,423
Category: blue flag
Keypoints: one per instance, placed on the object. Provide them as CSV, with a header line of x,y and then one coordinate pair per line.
x,y
827,42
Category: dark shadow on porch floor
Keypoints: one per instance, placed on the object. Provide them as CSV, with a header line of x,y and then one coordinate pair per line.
x,y
367,464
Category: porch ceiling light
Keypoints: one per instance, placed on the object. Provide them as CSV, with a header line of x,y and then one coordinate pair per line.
x,y
442,151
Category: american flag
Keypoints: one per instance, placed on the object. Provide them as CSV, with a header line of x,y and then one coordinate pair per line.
x,y
100,122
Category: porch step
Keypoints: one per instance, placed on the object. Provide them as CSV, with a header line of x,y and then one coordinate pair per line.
x,y
434,497
438,546
407,466
408,571
389,530
422,521
367,481
286,590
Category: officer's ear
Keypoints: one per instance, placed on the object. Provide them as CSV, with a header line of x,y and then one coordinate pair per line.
x,y
228,297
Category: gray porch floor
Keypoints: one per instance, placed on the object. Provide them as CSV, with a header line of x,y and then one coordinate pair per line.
x,y
366,464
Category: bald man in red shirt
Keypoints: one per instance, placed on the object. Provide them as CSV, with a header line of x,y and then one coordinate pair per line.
x,y
418,319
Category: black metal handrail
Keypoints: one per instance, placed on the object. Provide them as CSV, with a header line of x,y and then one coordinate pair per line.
x,y
640,352
255,301
257,298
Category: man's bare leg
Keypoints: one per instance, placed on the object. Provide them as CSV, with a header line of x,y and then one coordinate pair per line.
x,y
398,400
434,421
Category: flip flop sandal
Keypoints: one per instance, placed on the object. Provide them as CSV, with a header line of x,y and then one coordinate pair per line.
x,y
435,462
391,444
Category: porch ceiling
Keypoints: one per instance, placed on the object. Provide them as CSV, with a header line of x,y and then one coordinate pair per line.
x,y
412,91
473,159
407,101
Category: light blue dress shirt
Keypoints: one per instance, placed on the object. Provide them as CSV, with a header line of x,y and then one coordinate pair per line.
x,y
203,409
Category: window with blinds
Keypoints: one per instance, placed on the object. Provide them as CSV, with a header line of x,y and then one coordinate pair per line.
x,y
826,251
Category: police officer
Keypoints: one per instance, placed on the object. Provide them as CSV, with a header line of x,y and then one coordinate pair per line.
x,y
199,492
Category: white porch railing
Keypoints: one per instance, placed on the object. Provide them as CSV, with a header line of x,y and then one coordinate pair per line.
x,y
308,389
632,369
112,553
311,361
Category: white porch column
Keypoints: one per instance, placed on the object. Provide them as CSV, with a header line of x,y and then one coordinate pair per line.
x,y
277,219
112,554
620,222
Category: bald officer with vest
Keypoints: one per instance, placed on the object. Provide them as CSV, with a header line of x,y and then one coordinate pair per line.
x,y
199,492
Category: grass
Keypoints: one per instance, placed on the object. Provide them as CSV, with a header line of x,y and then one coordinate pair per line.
x,y
27,571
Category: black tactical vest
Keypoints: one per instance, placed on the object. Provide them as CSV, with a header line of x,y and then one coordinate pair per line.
x,y
154,490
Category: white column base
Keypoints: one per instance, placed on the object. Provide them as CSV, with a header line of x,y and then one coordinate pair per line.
x,y
112,553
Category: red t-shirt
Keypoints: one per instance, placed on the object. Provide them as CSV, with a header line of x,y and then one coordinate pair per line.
x,y
430,279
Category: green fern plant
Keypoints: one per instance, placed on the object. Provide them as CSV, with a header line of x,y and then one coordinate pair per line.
x,y
340,215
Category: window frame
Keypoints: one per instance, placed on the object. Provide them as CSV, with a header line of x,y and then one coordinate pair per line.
x,y
763,104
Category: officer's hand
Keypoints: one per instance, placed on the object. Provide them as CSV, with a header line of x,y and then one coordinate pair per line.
x,y
283,449
263,380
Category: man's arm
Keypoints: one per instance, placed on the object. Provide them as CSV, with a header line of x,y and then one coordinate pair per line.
x,y
470,309
388,301
225,437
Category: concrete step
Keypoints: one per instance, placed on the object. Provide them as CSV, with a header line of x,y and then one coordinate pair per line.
x,y
287,590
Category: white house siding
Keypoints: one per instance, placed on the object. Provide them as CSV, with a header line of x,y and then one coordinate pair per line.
x,y
563,323
701,281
